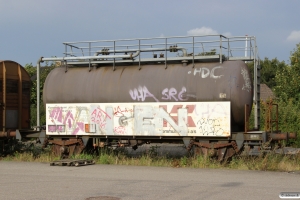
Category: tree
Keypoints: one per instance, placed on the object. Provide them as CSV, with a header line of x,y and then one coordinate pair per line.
x,y
268,70
44,71
284,79
288,79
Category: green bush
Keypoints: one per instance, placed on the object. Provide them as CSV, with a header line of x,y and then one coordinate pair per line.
x,y
288,118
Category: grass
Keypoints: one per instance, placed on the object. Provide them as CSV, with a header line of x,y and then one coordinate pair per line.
x,y
29,152
267,162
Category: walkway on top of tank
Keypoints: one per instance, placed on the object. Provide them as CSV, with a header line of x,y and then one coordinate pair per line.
x,y
204,48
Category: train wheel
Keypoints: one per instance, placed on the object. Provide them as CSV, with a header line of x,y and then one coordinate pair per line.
x,y
230,152
197,151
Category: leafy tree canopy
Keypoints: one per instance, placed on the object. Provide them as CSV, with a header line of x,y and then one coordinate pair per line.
x,y
288,78
44,71
268,70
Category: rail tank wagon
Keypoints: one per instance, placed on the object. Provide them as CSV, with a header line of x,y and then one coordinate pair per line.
x,y
130,92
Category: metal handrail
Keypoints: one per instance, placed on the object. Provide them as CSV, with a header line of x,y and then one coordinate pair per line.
x,y
224,45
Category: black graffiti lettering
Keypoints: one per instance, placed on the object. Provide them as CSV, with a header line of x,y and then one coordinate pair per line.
x,y
210,127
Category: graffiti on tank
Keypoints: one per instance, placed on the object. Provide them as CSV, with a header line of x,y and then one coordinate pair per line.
x,y
208,110
65,121
171,94
120,112
81,115
247,85
205,72
210,127
99,116
79,127
173,113
151,119
56,114
120,130
141,93
69,119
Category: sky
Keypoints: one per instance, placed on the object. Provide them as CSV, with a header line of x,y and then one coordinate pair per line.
x,y
30,29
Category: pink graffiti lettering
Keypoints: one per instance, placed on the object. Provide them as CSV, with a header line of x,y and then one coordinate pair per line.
x,y
173,114
79,127
120,130
182,94
56,114
99,116
69,118
141,94
169,94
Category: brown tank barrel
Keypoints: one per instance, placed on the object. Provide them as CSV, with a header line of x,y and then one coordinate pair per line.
x,y
227,81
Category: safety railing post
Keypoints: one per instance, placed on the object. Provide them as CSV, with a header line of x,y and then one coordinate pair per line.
x,y
139,55
114,64
220,48
193,51
166,52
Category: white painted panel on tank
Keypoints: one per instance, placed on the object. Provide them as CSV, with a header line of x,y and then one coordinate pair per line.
x,y
211,119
